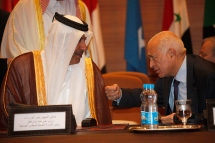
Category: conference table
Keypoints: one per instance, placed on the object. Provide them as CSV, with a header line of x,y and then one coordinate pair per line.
x,y
120,135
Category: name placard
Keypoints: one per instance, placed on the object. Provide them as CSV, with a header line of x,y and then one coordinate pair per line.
x,y
41,120
211,114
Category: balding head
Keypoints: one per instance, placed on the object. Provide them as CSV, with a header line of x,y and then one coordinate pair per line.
x,y
165,40
166,52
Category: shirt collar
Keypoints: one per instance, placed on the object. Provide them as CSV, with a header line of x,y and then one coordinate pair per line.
x,y
52,3
182,73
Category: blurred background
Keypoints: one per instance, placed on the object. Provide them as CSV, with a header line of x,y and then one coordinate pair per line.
x,y
113,21
113,25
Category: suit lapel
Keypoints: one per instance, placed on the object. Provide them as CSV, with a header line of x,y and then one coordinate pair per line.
x,y
191,88
167,87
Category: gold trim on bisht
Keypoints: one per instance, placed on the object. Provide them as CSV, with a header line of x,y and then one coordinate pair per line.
x,y
40,25
83,16
39,78
90,86
82,9
5,87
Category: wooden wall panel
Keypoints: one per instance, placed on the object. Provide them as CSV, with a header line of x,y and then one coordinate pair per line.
x,y
113,17
196,17
113,14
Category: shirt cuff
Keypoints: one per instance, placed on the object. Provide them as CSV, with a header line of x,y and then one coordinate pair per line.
x,y
118,100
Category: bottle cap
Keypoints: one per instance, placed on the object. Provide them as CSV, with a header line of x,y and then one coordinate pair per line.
x,y
148,86
145,86
151,86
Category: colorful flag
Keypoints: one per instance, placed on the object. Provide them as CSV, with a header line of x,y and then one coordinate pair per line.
x,y
134,39
93,8
209,19
8,5
175,19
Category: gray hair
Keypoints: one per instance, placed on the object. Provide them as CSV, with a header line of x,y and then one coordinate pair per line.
x,y
212,39
169,39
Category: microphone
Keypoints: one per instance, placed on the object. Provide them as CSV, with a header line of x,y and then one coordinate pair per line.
x,y
88,122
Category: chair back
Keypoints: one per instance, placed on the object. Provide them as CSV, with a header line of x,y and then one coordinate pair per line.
x,y
124,115
145,79
124,81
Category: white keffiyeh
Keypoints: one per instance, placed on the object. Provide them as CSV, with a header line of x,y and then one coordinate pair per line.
x,y
65,84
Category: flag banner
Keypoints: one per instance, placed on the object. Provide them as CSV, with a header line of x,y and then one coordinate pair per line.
x,y
93,8
8,5
134,39
209,19
176,20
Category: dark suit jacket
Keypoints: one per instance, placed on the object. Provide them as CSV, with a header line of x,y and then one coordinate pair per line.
x,y
200,86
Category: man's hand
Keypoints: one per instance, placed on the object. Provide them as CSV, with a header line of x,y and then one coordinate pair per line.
x,y
113,92
167,119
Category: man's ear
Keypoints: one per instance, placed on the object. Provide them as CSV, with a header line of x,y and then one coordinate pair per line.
x,y
172,53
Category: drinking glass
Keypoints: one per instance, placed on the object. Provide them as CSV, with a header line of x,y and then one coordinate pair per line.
x,y
183,110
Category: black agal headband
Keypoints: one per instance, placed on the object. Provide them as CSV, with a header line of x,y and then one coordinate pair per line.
x,y
68,22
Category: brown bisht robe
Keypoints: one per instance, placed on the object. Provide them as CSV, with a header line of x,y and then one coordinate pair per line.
x,y
19,85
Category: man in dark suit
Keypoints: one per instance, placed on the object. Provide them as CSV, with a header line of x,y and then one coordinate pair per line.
x,y
168,58
207,50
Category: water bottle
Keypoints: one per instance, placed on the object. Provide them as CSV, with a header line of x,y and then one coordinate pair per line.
x,y
143,105
151,108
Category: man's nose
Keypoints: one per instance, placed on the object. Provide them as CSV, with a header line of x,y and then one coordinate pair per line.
x,y
83,46
151,63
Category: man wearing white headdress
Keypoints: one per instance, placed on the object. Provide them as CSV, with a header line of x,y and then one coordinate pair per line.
x,y
59,74
29,22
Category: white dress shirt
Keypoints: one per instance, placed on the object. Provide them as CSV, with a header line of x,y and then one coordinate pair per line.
x,y
182,87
